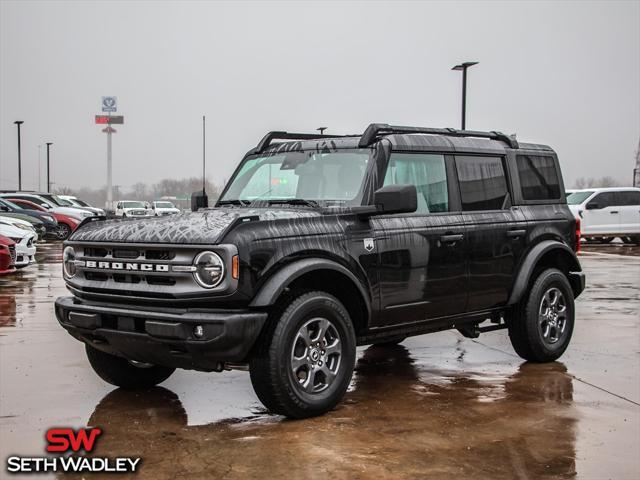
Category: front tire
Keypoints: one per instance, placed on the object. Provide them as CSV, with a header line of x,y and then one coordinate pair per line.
x,y
63,231
305,356
542,324
122,373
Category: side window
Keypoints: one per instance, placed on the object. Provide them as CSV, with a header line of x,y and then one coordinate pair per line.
x,y
629,198
538,177
483,185
605,199
427,173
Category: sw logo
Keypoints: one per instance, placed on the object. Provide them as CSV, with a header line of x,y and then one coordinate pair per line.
x,y
68,440
368,244
65,439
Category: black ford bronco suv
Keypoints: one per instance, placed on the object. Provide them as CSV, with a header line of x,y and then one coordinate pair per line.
x,y
320,243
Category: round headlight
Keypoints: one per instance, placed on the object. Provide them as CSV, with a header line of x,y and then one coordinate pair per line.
x,y
69,262
209,269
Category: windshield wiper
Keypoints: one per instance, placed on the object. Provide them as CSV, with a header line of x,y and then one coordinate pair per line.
x,y
242,203
295,201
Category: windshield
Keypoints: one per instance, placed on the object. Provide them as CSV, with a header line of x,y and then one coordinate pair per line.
x,y
576,198
61,201
82,203
164,205
297,177
133,205
10,204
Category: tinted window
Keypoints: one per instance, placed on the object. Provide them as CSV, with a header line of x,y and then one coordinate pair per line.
x,y
483,185
628,198
605,199
427,173
538,177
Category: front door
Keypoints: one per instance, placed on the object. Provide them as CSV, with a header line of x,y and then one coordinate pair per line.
x,y
602,214
422,255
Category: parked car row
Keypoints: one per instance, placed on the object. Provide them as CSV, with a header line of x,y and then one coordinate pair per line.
x,y
51,215
17,244
607,213
140,209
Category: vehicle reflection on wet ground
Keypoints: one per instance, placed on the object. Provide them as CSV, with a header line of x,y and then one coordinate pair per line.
x,y
437,406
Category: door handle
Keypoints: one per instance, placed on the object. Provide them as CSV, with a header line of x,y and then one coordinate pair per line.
x,y
451,238
613,211
515,233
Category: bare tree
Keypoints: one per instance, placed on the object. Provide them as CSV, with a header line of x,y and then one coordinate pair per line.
x,y
601,182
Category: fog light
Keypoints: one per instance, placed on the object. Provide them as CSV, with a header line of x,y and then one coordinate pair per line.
x,y
198,331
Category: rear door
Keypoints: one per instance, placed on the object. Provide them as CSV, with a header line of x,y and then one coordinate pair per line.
x,y
495,230
422,255
629,203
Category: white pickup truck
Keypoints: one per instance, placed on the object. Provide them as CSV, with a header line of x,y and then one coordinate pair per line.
x,y
133,209
162,208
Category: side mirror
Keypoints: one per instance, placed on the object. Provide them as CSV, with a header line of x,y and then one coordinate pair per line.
x,y
592,206
45,206
4,208
396,199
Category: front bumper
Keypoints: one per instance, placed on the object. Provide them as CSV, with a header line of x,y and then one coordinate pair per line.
x,y
163,337
25,255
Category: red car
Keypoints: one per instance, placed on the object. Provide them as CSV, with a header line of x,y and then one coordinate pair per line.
x,y
7,255
66,224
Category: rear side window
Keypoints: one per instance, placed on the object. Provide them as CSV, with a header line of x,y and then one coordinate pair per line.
x,y
483,185
427,173
628,198
538,177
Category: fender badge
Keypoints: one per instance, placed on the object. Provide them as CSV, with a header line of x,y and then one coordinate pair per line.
x,y
368,244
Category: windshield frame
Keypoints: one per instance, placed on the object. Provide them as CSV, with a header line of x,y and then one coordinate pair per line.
x,y
358,200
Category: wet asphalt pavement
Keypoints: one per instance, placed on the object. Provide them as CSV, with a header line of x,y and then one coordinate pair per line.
x,y
438,406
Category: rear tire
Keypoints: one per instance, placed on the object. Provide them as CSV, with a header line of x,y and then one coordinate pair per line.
x,y
305,356
122,373
542,324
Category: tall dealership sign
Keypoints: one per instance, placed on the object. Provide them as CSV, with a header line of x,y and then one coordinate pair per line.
x,y
109,106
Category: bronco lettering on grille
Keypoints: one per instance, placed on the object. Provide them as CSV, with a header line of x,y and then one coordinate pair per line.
x,y
143,267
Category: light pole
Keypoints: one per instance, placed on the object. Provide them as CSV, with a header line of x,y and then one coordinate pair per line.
x,y
464,66
18,123
39,168
48,179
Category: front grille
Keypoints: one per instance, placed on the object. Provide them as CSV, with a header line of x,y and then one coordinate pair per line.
x,y
122,253
130,271
95,252
12,253
159,255
128,279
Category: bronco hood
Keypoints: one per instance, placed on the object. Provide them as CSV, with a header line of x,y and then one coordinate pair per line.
x,y
204,227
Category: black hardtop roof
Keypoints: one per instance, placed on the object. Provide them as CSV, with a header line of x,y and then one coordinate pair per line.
x,y
400,137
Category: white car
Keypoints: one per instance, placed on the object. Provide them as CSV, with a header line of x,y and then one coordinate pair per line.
x,y
162,208
25,239
76,202
132,209
74,212
607,213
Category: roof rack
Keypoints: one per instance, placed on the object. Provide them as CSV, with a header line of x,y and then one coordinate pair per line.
x,y
376,130
266,140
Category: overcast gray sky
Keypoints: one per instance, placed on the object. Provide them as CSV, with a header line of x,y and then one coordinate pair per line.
x,y
564,74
